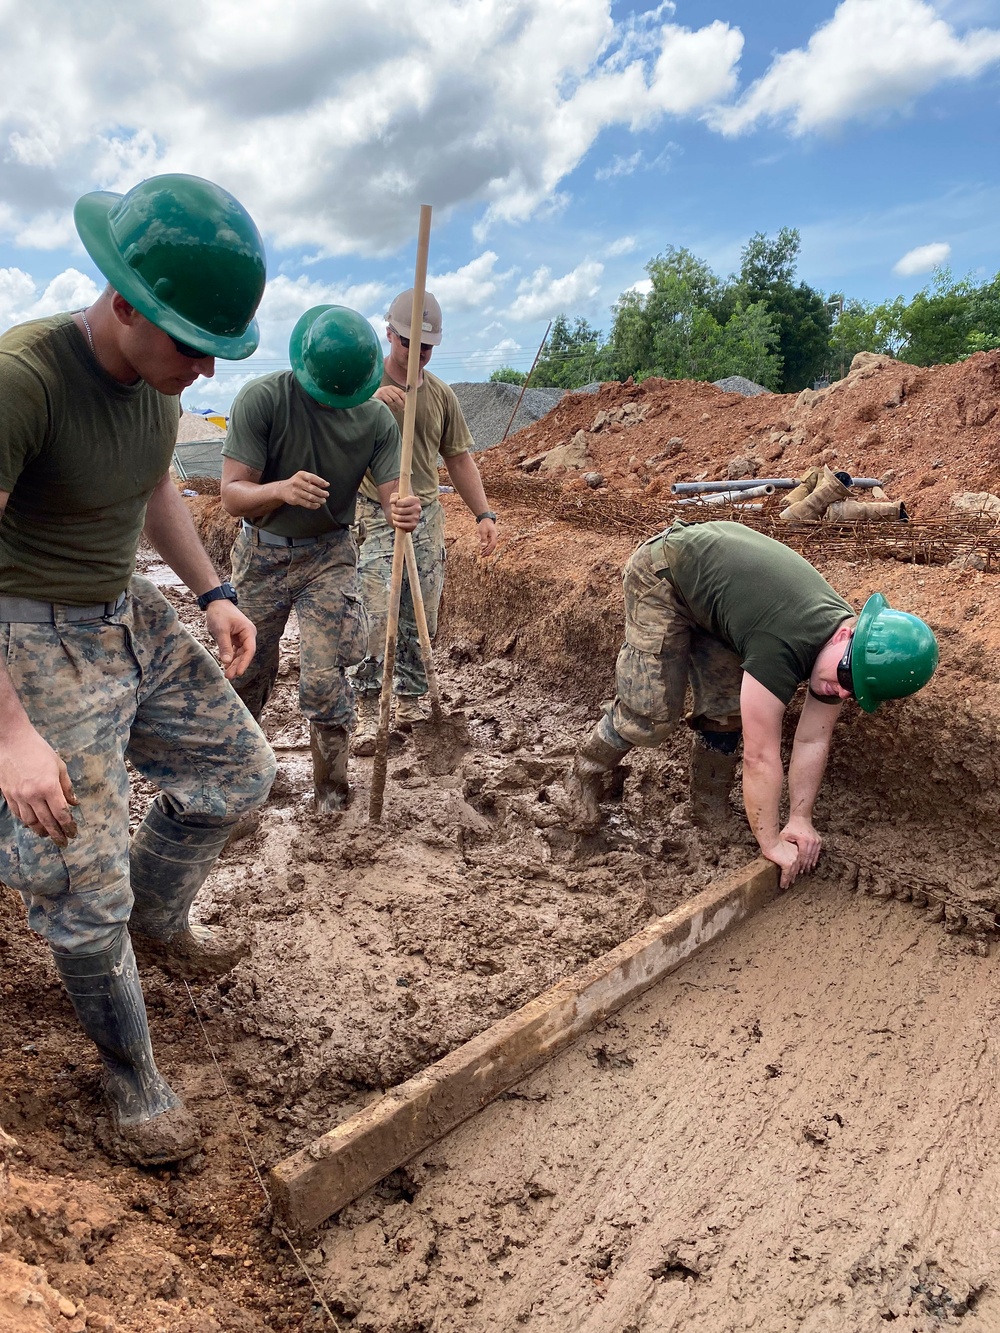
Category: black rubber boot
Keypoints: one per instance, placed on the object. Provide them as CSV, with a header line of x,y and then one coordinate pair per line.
x,y
151,1123
330,747
168,863
712,772
595,758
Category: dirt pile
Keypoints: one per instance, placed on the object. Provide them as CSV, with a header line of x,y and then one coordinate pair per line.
x,y
931,432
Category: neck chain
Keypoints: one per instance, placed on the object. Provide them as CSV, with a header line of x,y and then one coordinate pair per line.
x,y
90,336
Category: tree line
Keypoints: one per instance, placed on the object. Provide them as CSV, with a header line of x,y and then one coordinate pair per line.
x,y
762,324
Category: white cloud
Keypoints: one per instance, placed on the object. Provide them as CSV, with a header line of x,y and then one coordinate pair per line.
x,y
873,56
623,246
644,286
543,297
333,123
923,259
21,299
470,287
619,166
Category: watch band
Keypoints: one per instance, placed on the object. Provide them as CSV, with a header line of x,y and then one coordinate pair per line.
x,y
224,592
487,513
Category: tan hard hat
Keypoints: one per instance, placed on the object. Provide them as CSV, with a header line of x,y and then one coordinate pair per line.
x,y
401,313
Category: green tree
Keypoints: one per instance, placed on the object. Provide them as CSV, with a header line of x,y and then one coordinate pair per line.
x,y
571,356
802,318
507,375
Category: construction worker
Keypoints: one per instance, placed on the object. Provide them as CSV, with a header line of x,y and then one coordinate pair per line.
x,y
299,443
96,667
440,428
745,620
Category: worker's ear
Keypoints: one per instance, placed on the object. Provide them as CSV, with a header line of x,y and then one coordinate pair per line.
x,y
844,632
123,312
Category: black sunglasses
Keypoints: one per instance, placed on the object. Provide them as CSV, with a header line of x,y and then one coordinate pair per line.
x,y
845,676
405,342
192,353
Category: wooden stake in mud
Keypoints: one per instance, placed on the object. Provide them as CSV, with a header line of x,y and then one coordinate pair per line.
x,y
320,1179
399,548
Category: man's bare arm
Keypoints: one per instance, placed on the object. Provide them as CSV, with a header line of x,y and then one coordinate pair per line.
x,y
810,751
34,780
170,530
763,776
464,472
243,496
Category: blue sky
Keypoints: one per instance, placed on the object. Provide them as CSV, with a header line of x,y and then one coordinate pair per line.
x,y
562,143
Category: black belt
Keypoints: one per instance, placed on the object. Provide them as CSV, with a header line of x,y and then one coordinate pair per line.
x,y
26,611
262,538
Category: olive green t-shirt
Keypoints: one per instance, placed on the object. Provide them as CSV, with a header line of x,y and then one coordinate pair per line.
x,y
756,595
439,428
80,454
276,428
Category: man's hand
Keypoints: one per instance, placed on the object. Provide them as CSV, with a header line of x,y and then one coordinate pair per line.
x,y
35,784
405,512
486,530
235,636
801,832
305,491
392,395
785,855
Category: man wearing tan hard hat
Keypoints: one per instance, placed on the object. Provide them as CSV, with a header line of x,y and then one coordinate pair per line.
x,y
440,428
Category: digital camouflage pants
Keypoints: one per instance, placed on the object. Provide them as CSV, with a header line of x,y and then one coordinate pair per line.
x,y
375,569
320,583
132,686
664,651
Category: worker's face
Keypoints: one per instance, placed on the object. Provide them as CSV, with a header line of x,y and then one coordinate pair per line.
x,y
824,680
165,365
399,351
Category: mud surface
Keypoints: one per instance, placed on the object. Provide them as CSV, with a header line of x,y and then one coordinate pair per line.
x,y
375,951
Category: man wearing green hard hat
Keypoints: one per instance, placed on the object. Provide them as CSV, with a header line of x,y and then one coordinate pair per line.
x,y
298,445
744,620
95,667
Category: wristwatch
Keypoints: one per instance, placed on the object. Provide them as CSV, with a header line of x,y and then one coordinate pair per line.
x,y
224,592
487,513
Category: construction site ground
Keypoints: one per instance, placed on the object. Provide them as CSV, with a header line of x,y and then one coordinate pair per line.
x,y
795,1131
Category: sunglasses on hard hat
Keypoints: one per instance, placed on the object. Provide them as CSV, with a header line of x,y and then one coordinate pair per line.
x,y
192,353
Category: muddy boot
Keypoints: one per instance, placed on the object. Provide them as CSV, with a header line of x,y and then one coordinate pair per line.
x,y
366,732
805,487
151,1124
409,709
329,747
827,491
168,863
712,772
584,783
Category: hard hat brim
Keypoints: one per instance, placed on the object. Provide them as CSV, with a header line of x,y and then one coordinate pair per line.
x,y
296,348
92,223
871,610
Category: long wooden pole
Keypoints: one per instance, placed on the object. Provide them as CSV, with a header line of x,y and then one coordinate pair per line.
x,y
423,632
527,377
399,548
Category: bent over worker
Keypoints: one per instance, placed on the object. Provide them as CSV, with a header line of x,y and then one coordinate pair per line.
x,y
299,442
745,620
439,428
98,667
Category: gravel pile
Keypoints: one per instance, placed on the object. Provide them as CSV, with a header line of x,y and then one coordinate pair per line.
x,y
487,408
740,384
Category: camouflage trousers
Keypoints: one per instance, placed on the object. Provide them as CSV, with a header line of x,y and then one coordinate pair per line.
x,y
375,569
321,583
133,686
664,652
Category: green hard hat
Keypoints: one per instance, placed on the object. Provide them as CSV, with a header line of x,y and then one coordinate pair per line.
x,y
186,254
893,653
336,356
